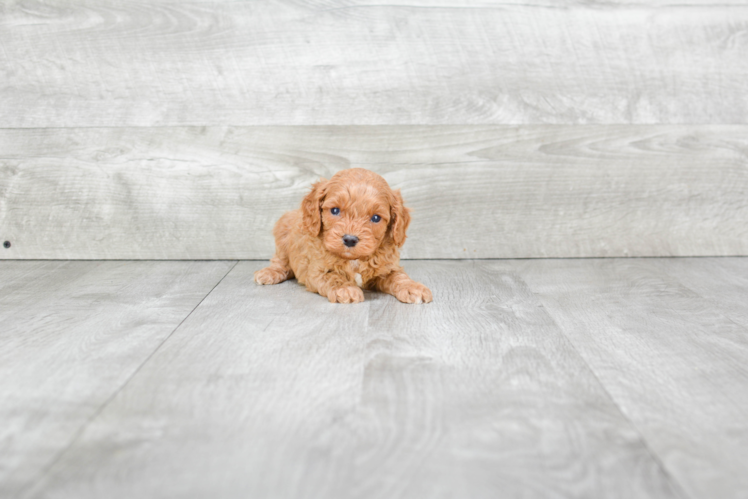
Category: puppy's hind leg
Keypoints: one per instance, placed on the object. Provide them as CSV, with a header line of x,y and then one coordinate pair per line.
x,y
277,272
279,269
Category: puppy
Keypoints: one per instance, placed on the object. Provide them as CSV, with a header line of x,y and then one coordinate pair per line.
x,y
345,237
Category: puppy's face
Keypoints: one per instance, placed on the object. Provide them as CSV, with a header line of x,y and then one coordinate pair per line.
x,y
354,213
354,219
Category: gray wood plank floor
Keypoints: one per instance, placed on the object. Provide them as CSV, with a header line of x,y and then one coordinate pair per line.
x,y
673,360
72,334
530,378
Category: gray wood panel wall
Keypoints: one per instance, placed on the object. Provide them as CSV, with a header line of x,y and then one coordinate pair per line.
x,y
183,129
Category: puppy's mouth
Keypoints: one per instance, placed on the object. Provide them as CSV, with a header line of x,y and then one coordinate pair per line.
x,y
348,254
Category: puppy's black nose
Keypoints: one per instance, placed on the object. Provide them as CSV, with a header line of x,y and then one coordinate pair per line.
x,y
349,240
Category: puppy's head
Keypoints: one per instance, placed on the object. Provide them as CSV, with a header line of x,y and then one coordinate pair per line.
x,y
354,213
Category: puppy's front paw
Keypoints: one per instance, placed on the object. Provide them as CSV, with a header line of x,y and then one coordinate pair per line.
x,y
346,295
414,293
270,276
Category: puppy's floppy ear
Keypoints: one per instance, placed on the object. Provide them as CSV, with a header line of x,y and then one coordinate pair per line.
x,y
399,218
310,208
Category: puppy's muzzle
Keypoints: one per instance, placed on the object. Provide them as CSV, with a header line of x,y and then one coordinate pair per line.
x,y
349,240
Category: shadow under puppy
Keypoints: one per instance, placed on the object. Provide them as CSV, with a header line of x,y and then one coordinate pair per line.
x,y
345,237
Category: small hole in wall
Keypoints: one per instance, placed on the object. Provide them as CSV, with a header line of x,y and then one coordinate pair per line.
x,y
6,244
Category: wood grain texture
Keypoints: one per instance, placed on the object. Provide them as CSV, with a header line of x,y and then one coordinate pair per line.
x,y
273,392
673,361
723,282
342,62
72,334
476,191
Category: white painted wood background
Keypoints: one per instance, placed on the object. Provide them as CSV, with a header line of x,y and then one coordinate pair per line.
x,y
183,129
476,191
338,62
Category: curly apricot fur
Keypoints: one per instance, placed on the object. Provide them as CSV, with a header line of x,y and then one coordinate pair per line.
x,y
309,241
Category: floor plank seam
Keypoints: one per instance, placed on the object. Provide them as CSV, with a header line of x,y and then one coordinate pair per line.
x,y
22,492
675,484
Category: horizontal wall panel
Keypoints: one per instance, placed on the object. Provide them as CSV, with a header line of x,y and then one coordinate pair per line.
x,y
340,62
475,191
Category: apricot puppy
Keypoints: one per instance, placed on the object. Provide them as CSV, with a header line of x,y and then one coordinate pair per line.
x,y
344,239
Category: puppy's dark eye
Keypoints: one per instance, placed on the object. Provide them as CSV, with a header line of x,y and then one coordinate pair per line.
x,y
335,211
375,218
